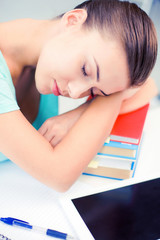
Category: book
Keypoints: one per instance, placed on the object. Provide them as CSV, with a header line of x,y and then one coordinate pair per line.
x,y
118,168
119,149
108,172
111,167
118,159
112,162
128,127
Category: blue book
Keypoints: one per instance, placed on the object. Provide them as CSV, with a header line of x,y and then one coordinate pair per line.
x,y
118,149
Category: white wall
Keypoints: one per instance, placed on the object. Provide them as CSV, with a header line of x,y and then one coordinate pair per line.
x,y
39,9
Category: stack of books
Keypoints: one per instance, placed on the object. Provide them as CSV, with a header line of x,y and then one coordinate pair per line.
x,y
119,155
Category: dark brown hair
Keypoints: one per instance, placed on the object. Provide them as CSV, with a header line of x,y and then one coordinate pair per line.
x,y
132,26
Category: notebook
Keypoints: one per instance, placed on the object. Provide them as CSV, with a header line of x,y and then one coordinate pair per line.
x,y
2,237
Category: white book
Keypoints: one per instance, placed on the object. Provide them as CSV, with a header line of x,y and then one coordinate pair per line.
x,y
111,162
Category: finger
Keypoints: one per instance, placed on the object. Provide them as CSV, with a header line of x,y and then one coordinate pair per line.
x,y
54,141
48,136
42,130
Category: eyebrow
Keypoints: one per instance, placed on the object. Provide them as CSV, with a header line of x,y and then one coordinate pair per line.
x,y
97,70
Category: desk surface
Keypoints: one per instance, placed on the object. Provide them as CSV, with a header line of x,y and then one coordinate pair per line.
x,y
25,198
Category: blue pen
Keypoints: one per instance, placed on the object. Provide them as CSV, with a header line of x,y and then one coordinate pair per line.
x,y
26,225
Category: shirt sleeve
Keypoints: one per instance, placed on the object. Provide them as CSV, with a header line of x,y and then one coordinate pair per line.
x,y
8,102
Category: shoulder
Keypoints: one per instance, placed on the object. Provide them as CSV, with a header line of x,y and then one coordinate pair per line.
x,y
7,91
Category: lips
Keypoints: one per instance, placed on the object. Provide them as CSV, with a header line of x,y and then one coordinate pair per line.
x,y
55,89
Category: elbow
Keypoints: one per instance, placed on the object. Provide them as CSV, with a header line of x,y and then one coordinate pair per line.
x,y
68,179
62,183
61,177
62,187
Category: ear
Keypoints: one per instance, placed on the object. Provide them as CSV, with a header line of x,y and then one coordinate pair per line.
x,y
74,17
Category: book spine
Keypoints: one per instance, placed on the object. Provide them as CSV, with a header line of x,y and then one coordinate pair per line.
x,y
121,145
109,172
120,156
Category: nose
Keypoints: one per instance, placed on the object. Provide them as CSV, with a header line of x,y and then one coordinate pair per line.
x,y
77,88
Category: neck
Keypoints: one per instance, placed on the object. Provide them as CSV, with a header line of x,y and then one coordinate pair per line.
x,y
22,41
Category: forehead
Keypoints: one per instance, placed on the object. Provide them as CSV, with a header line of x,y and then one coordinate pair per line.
x,y
113,64
112,61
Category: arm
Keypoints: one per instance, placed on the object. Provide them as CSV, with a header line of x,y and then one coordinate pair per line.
x,y
55,128
59,167
139,96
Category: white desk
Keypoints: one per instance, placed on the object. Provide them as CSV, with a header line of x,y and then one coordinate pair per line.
x,y
25,198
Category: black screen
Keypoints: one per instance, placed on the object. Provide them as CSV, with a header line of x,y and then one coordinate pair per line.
x,y
127,213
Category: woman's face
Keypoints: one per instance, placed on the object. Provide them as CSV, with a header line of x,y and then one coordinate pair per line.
x,y
76,63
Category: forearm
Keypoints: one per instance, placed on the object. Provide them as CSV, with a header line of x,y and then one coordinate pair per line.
x,y
59,167
88,134
77,112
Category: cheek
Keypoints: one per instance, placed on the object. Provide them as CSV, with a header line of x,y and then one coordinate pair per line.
x,y
42,76
58,63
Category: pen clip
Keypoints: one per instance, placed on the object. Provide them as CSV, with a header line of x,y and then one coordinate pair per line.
x,y
17,220
21,223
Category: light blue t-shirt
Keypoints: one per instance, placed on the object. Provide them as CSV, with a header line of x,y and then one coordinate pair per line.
x,y
8,101
48,106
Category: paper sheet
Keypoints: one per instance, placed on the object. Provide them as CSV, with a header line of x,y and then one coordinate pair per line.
x,y
25,198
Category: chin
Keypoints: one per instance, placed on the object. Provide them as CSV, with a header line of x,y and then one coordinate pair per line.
x,y
45,92
42,90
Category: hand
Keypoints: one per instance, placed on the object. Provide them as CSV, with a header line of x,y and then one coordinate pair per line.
x,y
54,129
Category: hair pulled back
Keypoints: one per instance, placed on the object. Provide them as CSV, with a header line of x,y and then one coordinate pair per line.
x,y
128,23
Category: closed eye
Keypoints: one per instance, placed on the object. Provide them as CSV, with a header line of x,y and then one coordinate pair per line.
x,y
104,93
93,95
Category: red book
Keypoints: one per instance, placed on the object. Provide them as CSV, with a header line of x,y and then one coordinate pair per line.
x,y
129,127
